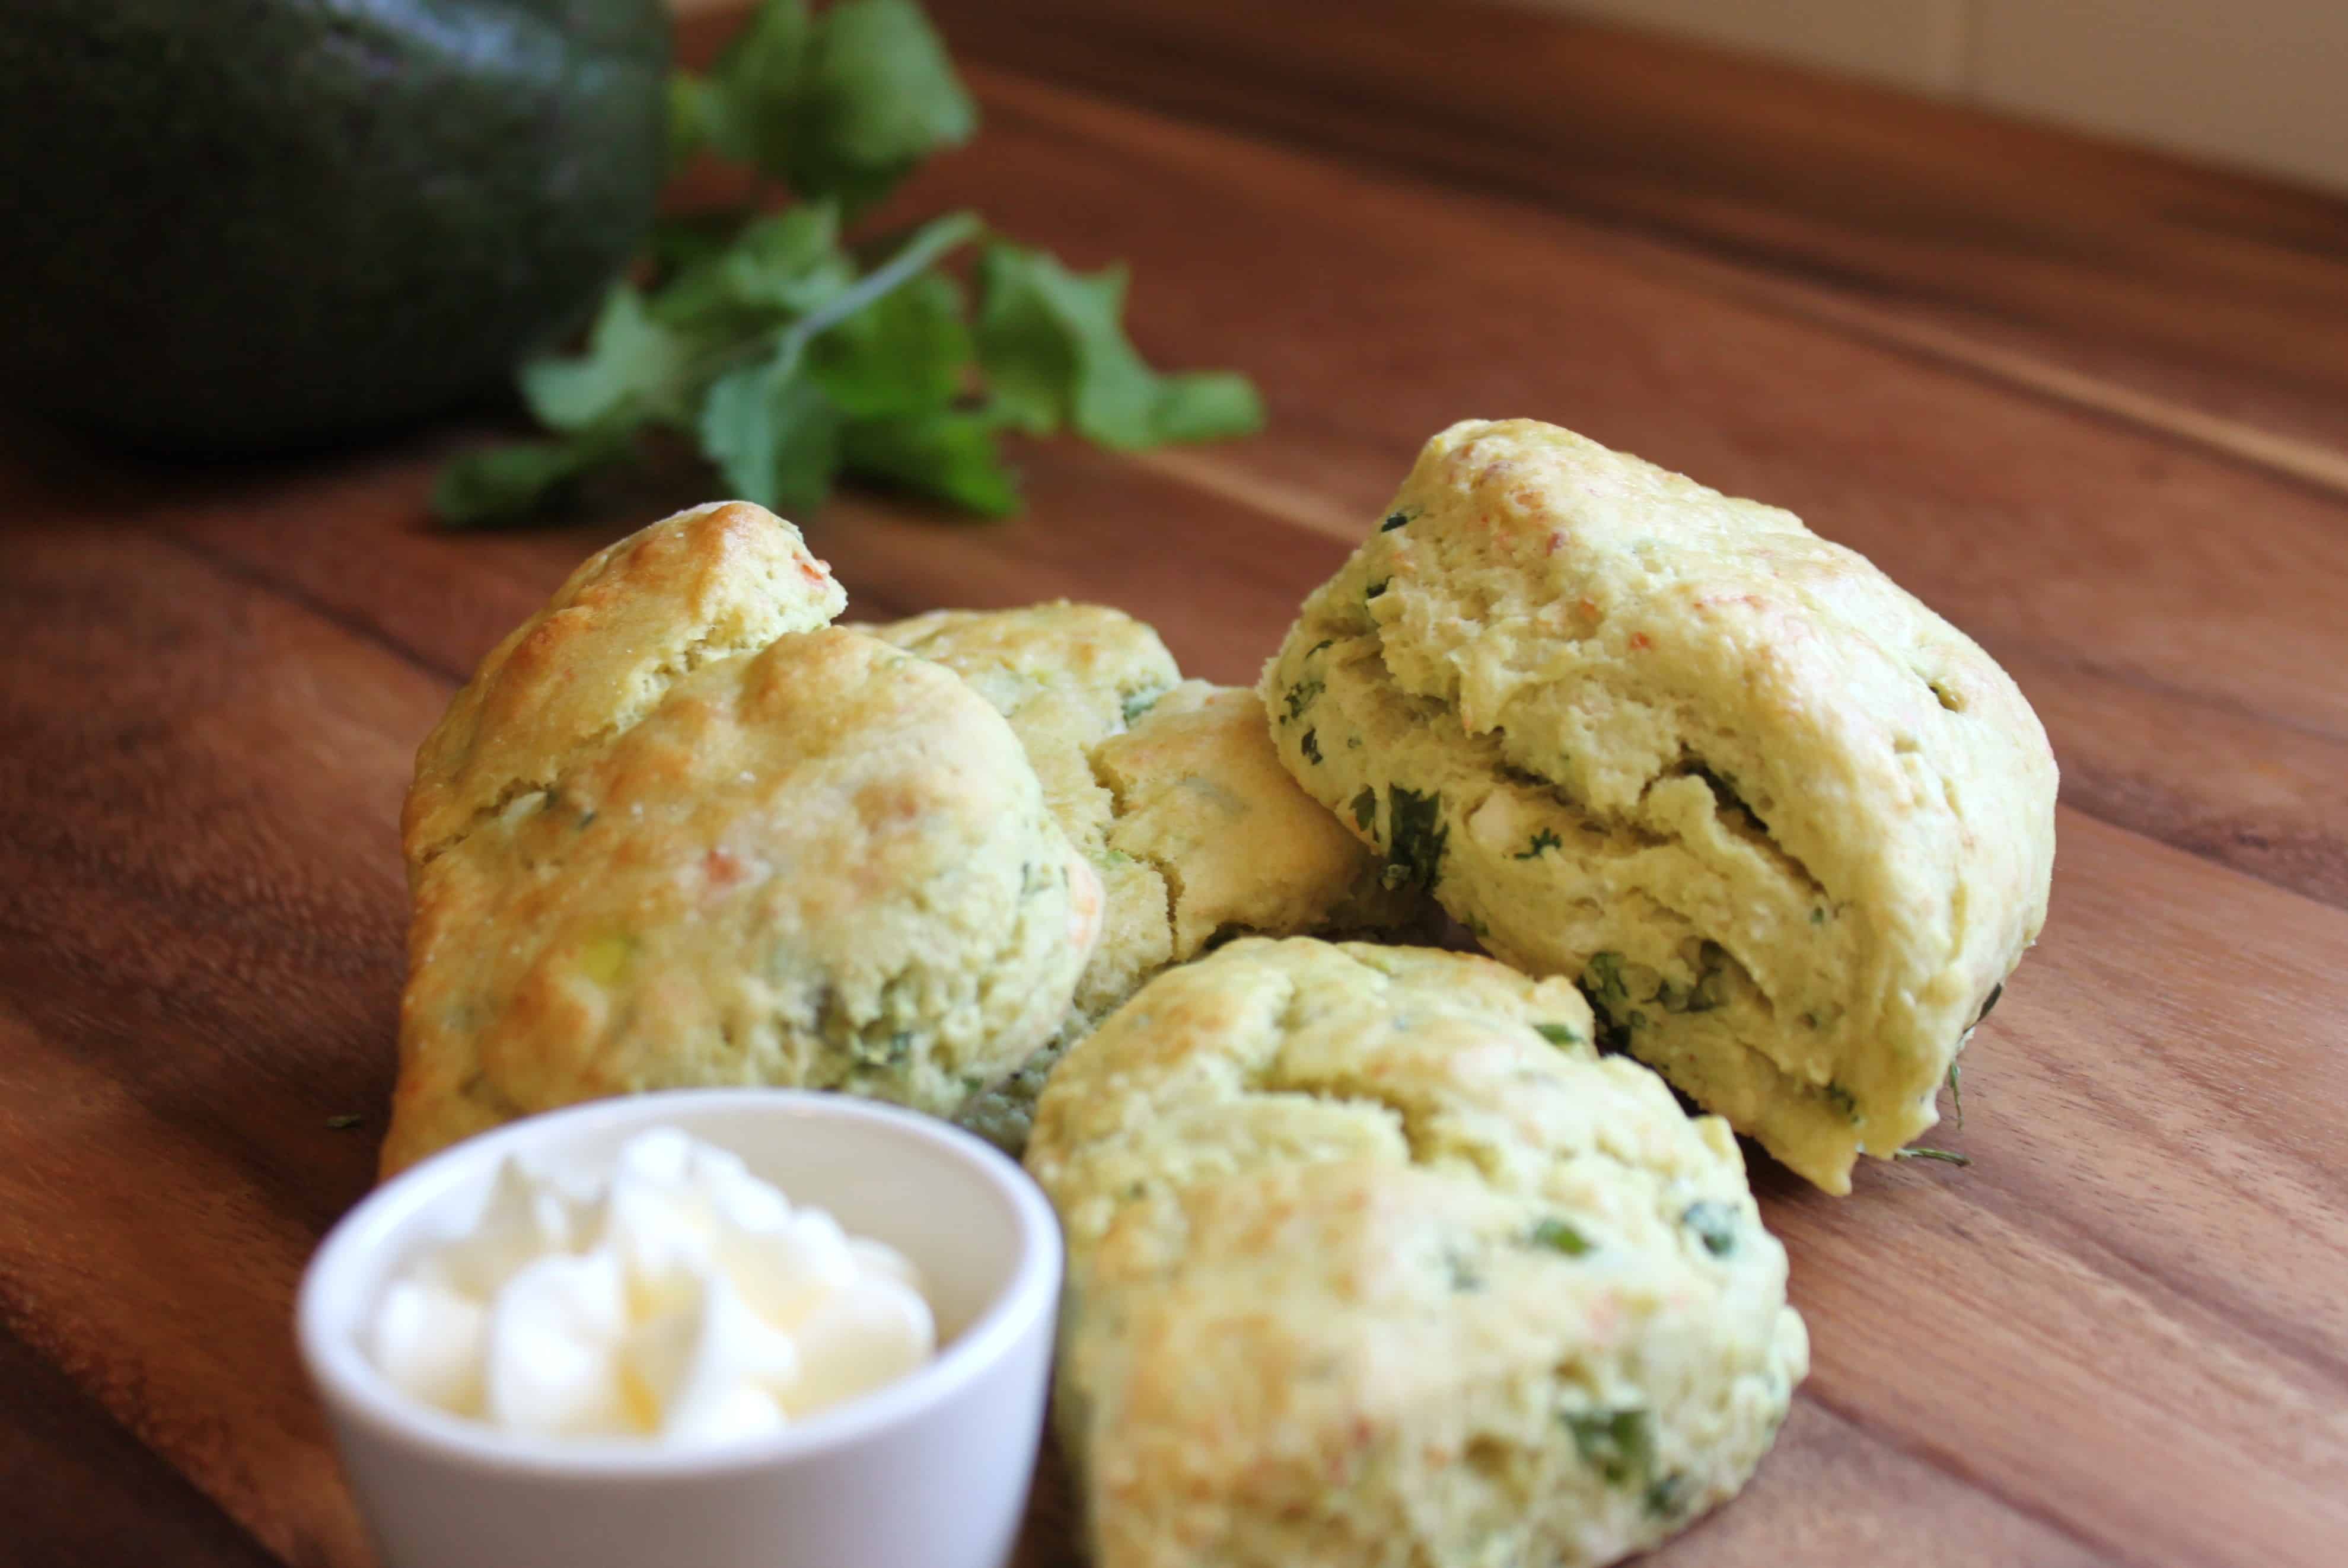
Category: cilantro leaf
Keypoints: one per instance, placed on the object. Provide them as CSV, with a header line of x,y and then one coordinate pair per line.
x,y
1620,1445
776,268
1205,405
1416,835
905,355
1052,342
501,483
760,334
842,106
950,455
772,432
1559,1236
1715,1224
696,116
745,105
875,95
633,368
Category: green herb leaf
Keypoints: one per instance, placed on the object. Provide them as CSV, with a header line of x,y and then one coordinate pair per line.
x,y
760,334
1956,1095
904,355
1558,1034
1620,1445
1365,807
1668,1497
1415,837
1299,698
1542,839
1310,745
1053,345
634,369
947,456
1558,1236
696,112
751,95
875,94
344,1122
772,432
838,105
1946,1156
1717,1224
1709,989
1602,978
774,269
503,483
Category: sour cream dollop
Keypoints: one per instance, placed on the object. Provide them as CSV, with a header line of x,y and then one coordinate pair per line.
x,y
682,1300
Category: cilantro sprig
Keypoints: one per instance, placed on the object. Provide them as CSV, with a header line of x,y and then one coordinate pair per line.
x,y
789,353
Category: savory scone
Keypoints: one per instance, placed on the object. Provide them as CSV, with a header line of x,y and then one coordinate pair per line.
x,y
1789,828
1200,797
724,578
1171,790
781,856
1372,1259
1068,677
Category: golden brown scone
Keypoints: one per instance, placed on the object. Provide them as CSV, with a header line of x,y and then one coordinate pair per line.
x,y
1200,797
1372,1259
1068,677
1789,828
1175,795
819,862
724,578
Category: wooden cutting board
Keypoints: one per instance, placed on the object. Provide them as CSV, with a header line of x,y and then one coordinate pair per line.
x,y
2085,404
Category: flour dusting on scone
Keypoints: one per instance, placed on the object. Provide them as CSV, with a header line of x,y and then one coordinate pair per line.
x,y
677,834
1373,1258
1171,790
1789,828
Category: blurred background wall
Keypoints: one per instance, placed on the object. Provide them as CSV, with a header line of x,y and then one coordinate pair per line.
x,y
2255,83
2260,84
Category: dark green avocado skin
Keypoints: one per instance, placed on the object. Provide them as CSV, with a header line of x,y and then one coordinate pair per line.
x,y
230,226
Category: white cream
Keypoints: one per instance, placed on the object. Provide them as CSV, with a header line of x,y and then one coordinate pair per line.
x,y
684,1300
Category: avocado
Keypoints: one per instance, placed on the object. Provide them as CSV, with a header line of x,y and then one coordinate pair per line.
x,y
241,225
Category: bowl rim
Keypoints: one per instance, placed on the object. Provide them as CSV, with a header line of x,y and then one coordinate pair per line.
x,y
345,1379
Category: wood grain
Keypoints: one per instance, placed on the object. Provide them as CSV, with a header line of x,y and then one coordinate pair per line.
x,y
2022,250
2119,1338
101,1497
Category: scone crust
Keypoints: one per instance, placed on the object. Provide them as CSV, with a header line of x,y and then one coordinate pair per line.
x,y
724,578
1169,787
1373,1258
1068,677
823,863
1789,828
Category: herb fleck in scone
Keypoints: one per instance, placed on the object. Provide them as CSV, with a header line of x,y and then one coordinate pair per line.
x,y
676,832
1789,828
1171,790
1372,1259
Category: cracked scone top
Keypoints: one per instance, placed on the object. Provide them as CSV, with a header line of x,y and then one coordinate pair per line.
x,y
677,832
1372,1258
1171,789
1788,828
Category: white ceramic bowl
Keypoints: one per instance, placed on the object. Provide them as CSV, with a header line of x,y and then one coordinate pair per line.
x,y
930,1471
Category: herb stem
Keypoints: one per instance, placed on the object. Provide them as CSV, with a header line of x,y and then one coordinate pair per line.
x,y
923,251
